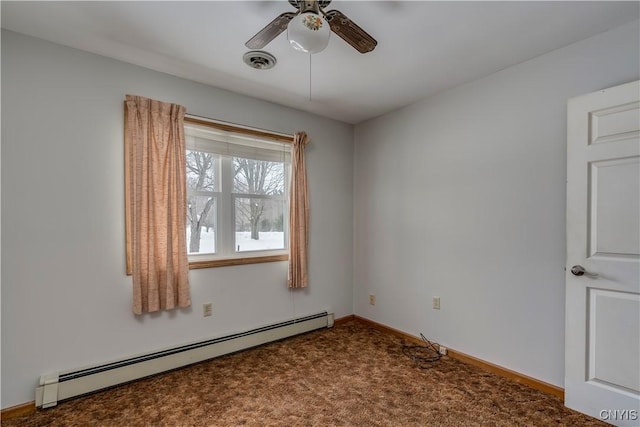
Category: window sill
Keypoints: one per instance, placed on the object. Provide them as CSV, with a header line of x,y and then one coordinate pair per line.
x,y
211,263
236,261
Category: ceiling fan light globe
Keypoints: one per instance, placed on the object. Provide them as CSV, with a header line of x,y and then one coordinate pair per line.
x,y
308,32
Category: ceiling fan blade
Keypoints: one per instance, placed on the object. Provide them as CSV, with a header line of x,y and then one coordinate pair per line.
x,y
271,31
350,32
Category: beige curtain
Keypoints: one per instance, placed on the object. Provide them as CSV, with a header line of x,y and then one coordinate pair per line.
x,y
155,146
298,215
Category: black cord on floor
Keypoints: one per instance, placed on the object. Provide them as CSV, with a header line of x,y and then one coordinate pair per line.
x,y
423,355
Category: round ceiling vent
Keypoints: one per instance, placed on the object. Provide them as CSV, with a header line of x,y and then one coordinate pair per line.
x,y
259,59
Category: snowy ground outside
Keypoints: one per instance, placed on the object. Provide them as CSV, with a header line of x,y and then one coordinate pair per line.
x,y
268,240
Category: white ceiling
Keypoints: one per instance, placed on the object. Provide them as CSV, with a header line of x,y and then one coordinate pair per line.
x,y
423,47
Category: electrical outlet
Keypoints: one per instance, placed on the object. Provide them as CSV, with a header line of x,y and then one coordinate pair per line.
x,y
372,299
442,350
207,309
436,303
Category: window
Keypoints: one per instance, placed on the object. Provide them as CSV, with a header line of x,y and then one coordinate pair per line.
x,y
237,194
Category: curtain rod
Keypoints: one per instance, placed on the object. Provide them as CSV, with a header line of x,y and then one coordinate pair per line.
x,y
234,126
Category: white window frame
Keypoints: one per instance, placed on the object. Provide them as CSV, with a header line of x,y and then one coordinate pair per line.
x,y
235,136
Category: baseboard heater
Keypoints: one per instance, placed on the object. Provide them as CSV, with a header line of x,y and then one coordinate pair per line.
x,y
60,386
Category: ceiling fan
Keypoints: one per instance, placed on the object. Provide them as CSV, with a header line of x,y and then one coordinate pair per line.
x,y
307,28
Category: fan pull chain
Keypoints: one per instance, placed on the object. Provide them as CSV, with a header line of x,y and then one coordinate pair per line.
x,y
309,77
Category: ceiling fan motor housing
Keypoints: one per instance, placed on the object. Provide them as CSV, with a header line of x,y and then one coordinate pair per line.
x,y
309,6
302,4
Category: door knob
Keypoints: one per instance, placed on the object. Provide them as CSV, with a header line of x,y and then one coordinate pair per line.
x,y
578,270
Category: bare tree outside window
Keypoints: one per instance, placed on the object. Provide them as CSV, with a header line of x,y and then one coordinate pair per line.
x,y
200,205
257,177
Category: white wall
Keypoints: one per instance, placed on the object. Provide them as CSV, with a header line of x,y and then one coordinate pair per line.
x,y
66,301
462,196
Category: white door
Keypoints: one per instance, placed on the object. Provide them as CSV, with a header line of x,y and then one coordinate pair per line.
x,y
602,330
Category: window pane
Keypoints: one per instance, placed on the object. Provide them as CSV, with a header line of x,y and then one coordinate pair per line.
x,y
201,225
258,176
259,224
201,174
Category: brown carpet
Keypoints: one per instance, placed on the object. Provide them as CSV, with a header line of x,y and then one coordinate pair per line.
x,y
350,375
